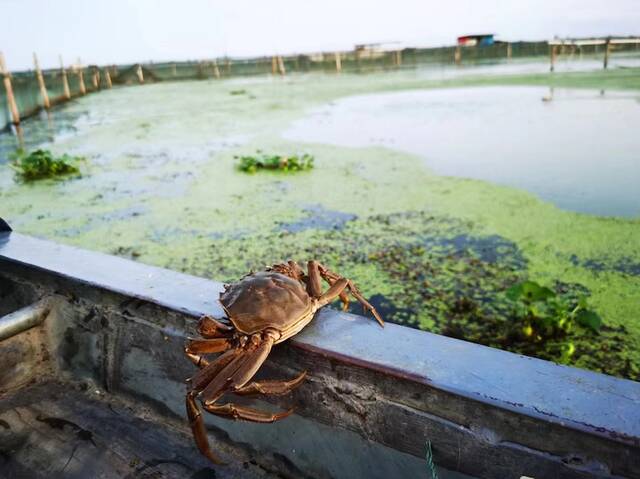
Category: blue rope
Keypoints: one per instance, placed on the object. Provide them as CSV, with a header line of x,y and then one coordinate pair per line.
x,y
430,464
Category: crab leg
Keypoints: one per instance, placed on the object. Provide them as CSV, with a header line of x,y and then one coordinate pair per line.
x,y
203,377
271,387
332,278
246,413
237,374
333,292
297,270
239,371
314,283
199,430
217,345
198,360
198,382
314,286
210,328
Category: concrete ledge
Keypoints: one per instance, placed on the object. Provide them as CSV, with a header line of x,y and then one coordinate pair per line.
x,y
487,412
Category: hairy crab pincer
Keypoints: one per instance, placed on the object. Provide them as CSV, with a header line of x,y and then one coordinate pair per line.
x,y
264,309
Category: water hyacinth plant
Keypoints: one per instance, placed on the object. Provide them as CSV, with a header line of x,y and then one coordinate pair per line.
x,y
542,314
40,164
253,163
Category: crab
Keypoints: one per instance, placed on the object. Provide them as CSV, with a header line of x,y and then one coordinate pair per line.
x,y
264,309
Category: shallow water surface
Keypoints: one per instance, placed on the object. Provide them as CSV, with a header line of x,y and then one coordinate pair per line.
x,y
576,148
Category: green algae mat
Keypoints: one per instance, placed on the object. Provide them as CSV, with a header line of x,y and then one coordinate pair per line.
x,y
161,185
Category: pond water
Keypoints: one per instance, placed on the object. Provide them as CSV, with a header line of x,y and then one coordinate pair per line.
x,y
579,149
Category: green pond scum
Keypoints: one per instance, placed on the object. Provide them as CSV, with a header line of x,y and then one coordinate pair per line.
x,y
438,253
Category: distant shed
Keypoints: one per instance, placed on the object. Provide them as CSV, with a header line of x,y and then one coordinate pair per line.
x,y
482,40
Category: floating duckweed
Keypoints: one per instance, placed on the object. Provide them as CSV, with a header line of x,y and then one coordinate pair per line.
x,y
40,164
251,163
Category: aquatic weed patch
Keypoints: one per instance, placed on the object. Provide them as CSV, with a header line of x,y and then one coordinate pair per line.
x,y
431,273
41,164
261,161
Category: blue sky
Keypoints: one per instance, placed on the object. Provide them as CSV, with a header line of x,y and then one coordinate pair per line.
x,y
120,31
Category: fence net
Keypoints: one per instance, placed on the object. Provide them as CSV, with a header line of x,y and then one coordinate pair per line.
x,y
29,99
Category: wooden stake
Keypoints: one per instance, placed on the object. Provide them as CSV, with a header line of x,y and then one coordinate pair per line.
x,y
457,56
65,80
552,58
140,74
43,88
95,78
83,89
338,62
607,50
398,57
173,69
274,65
15,115
107,78
20,135
281,68
509,51
216,70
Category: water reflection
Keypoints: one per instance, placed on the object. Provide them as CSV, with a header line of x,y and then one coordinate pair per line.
x,y
38,131
576,148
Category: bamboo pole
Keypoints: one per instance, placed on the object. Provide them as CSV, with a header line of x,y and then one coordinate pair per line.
x,y
65,80
107,78
43,88
281,68
95,78
509,52
19,135
83,89
457,55
338,62
11,100
552,58
174,72
274,65
398,58
140,74
216,70
607,51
